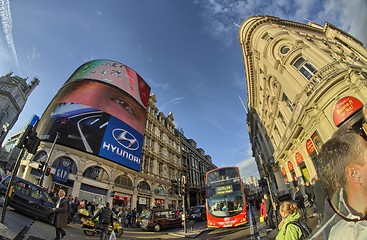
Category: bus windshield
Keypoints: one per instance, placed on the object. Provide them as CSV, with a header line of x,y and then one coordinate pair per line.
x,y
226,205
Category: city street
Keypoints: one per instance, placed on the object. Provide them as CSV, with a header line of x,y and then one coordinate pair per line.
x,y
15,222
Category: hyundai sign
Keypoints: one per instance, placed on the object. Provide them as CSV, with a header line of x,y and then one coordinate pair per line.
x,y
101,110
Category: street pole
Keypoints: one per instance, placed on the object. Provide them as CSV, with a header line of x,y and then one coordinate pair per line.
x,y
183,202
272,201
9,190
48,159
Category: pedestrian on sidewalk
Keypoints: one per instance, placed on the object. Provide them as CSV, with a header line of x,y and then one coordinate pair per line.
x,y
262,208
105,217
310,193
298,197
342,169
289,213
269,213
320,197
61,215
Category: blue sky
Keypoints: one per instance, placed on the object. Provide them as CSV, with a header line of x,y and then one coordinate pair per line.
x,y
187,51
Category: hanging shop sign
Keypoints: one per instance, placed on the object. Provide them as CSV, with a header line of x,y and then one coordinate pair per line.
x,y
310,147
283,171
290,166
299,158
345,108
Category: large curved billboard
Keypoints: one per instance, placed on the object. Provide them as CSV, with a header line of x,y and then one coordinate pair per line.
x,y
101,109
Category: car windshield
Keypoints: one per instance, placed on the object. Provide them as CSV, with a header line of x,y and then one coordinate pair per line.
x,y
194,210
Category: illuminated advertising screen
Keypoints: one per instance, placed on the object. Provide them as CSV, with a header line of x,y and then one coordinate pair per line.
x,y
101,109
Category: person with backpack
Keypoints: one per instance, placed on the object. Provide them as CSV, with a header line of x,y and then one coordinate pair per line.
x,y
105,216
291,228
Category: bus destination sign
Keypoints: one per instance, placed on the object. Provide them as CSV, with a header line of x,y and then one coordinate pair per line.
x,y
224,189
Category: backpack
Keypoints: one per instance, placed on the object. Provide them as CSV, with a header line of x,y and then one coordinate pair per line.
x,y
305,229
105,215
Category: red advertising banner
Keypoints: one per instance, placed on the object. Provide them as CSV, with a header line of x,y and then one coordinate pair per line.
x,y
309,146
283,171
299,158
344,108
290,166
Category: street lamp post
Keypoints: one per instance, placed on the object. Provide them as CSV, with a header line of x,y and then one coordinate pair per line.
x,y
48,159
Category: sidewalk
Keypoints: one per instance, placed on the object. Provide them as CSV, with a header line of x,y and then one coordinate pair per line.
x,y
190,231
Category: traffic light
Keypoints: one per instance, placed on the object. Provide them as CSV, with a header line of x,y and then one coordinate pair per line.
x,y
174,186
184,185
48,170
29,140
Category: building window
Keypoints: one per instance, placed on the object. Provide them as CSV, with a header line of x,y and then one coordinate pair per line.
x,y
288,102
124,182
267,37
284,50
96,173
143,186
280,116
304,67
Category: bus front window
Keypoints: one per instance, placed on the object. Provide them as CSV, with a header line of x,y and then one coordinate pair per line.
x,y
225,206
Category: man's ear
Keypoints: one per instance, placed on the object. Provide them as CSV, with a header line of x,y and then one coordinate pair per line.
x,y
353,174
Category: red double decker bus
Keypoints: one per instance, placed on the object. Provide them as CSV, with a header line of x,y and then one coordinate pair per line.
x,y
225,198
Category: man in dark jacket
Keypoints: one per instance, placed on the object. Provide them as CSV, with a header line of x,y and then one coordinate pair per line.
x,y
61,215
269,213
105,218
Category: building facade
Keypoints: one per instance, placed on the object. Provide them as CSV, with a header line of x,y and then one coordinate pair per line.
x,y
100,180
304,82
14,92
195,164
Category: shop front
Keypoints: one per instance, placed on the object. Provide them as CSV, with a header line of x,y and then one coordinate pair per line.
x,y
143,202
159,203
121,200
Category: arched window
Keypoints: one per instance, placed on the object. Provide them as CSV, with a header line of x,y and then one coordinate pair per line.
x,y
65,162
40,157
96,173
159,191
284,50
143,185
124,181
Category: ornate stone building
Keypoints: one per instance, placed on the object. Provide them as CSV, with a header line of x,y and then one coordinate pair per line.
x,y
304,82
97,179
14,92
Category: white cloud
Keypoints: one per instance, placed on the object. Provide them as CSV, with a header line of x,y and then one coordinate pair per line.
x,y
170,103
7,24
33,55
154,84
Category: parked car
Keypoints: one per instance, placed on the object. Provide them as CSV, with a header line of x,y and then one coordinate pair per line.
x,y
197,213
29,199
158,219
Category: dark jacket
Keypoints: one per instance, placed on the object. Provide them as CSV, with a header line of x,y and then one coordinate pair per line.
x,y
105,215
320,197
61,214
309,192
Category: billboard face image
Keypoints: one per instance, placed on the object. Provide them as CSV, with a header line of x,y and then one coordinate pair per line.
x,y
101,110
